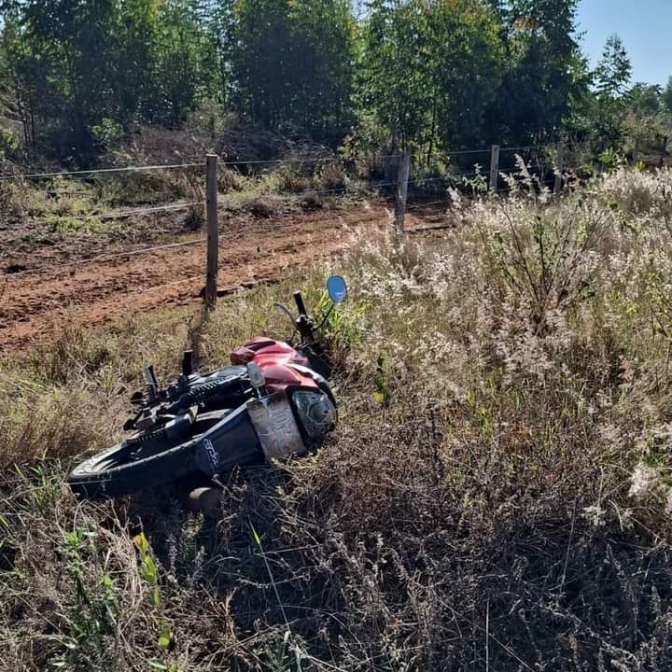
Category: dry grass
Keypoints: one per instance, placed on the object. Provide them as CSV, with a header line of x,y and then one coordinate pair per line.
x,y
497,496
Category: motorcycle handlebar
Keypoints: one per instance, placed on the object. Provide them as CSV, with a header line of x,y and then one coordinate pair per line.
x,y
298,299
188,363
303,323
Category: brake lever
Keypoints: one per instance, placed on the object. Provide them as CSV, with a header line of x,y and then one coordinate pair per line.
x,y
152,384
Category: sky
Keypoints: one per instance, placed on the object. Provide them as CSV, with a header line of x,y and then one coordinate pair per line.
x,y
645,26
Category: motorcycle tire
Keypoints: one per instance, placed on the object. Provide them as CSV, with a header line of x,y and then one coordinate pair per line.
x,y
117,471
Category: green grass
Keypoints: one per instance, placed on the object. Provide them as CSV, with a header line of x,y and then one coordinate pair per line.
x,y
499,486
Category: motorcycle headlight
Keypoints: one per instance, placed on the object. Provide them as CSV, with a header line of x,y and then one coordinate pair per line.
x,y
316,413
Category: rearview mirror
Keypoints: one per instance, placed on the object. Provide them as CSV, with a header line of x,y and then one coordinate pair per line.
x,y
338,290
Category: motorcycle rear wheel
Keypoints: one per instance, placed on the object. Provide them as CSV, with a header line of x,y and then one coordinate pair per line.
x,y
119,471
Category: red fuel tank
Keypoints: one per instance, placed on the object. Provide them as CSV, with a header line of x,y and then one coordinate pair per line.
x,y
273,358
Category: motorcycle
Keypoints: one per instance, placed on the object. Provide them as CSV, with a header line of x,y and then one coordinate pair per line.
x,y
273,402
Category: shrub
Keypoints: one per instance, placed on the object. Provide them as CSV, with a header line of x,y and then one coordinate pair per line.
x,y
641,196
107,134
9,142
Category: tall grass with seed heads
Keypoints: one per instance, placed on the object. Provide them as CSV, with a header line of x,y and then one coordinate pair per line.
x,y
497,495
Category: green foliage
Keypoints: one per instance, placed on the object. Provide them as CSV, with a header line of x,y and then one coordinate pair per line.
x,y
611,78
542,261
645,99
94,614
425,75
614,70
342,327
148,569
667,96
81,73
108,133
544,71
614,121
9,143
476,185
150,574
294,68
611,159
382,383
430,70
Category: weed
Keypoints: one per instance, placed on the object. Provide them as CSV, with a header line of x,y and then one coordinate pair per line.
x,y
504,497
150,574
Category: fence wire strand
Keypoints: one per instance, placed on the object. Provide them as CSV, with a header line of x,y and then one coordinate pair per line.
x,y
517,149
99,171
231,162
456,179
142,211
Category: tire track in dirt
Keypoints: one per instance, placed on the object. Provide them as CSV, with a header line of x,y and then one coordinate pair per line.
x,y
105,289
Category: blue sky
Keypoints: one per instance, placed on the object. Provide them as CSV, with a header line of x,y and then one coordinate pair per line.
x,y
645,26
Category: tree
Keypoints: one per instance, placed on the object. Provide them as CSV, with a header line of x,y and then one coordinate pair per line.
x,y
430,69
324,57
611,77
71,36
543,75
613,71
667,96
180,77
292,63
468,68
20,78
219,21
138,45
396,84
421,74
79,68
645,99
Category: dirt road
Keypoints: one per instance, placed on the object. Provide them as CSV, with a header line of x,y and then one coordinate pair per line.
x,y
104,288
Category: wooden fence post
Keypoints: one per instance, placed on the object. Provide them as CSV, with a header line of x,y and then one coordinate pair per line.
x,y
635,152
494,167
402,190
557,187
213,231
663,152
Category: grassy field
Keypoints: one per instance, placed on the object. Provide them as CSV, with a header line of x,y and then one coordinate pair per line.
x,y
497,496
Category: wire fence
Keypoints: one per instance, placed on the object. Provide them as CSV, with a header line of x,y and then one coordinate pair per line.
x,y
15,176
238,163
97,171
392,186
120,214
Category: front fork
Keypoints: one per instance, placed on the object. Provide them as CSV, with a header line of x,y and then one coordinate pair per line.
x,y
317,359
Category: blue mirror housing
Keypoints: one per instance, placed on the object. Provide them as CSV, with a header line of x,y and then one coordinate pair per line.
x,y
338,290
